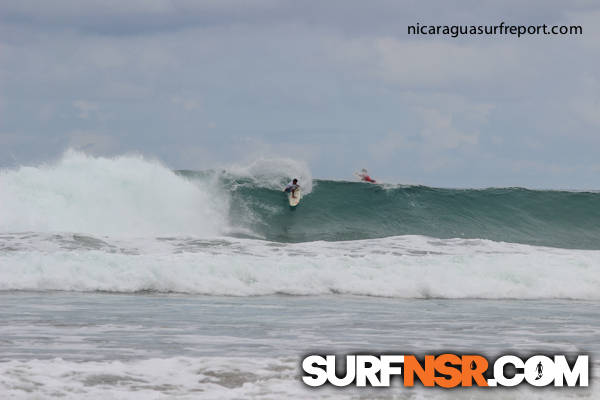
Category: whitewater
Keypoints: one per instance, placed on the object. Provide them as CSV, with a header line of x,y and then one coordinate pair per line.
x,y
404,267
116,269
129,224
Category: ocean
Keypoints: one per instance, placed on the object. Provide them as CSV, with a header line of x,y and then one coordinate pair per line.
x,y
121,278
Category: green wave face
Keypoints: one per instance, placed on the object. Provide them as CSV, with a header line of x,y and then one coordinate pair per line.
x,y
350,211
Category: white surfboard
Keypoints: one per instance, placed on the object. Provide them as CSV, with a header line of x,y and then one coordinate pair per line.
x,y
295,200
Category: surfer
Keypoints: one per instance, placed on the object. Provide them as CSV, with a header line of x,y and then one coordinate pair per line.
x,y
364,176
292,187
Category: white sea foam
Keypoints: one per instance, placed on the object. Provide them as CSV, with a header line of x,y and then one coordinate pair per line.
x,y
217,378
404,267
185,378
125,196
273,173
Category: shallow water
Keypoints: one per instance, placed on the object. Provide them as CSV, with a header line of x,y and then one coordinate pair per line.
x,y
57,344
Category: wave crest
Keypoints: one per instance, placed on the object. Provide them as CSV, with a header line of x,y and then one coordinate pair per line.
x,y
126,195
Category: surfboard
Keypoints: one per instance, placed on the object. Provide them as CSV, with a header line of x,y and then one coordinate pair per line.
x,y
295,200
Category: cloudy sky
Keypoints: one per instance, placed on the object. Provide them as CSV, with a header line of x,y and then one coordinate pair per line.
x,y
339,84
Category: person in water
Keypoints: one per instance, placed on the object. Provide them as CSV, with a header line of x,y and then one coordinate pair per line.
x,y
292,187
364,176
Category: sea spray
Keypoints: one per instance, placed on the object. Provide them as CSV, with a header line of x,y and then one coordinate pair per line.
x,y
124,196
271,173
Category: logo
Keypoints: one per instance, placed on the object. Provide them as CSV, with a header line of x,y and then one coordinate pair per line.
x,y
445,370
539,368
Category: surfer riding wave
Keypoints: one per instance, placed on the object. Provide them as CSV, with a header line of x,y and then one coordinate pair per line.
x,y
292,187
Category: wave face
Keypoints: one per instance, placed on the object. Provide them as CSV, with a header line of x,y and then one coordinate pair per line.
x,y
350,211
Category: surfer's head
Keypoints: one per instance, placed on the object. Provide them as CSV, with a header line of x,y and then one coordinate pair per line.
x,y
295,181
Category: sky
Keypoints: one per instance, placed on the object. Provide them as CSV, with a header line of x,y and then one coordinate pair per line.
x,y
339,85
